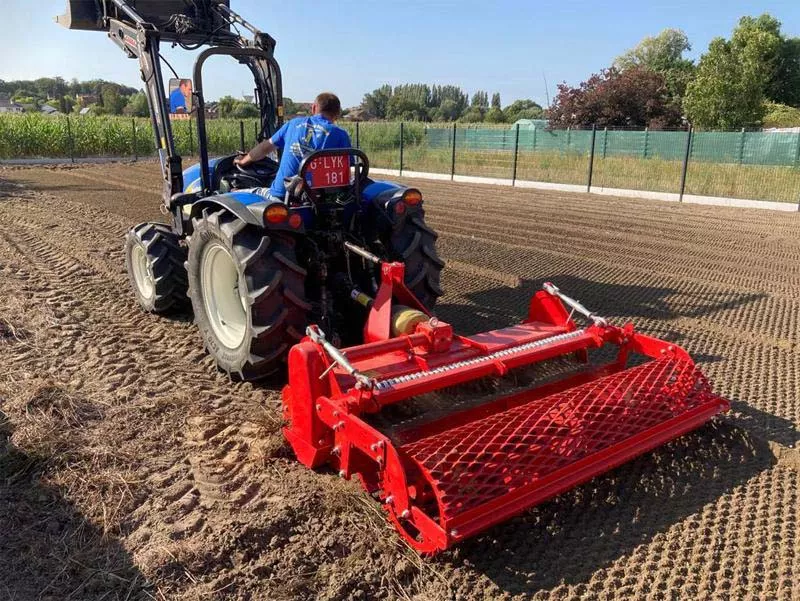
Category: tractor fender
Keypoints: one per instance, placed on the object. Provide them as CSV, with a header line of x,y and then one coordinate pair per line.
x,y
383,196
247,206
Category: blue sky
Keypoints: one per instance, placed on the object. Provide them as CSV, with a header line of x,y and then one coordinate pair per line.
x,y
353,46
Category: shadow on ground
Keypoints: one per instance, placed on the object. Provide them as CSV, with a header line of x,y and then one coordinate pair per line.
x,y
503,305
48,551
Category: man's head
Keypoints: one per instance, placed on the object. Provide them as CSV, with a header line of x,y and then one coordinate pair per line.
x,y
186,87
327,104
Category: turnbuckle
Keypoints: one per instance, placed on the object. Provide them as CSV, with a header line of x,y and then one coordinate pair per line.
x,y
575,305
338,358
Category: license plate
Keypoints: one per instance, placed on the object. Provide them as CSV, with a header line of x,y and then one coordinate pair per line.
x,y
329,171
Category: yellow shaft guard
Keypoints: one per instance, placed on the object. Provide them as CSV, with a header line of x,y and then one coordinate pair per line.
x,y
405,320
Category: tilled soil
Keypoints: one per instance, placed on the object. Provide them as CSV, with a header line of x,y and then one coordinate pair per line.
x,y
131,469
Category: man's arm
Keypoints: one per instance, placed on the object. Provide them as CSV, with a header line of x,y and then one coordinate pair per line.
x,y
264,147
258,152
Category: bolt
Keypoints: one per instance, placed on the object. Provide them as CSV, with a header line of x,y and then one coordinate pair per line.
x,y
406,514
321,441
319,407
335,451
389,500
379,444
454,533
335,414
373,447
342,473
379,460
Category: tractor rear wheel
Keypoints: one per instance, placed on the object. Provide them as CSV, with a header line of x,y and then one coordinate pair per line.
x,y
248,294
154,259
415,245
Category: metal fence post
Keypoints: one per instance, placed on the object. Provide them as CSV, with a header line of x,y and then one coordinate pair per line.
x,y
741,147
646,136
453,155
516,152
70,141
241,135
605,141
534,139
569,136
135,150
358,141
797,152
686,162
591,160
401,148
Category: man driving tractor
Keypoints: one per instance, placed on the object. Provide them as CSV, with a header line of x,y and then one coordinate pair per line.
x,y
300,137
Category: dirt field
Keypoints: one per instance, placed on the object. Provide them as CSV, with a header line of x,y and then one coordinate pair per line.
x,y
131,469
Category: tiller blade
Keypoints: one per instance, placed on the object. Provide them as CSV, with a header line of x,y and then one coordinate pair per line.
x,y
452,476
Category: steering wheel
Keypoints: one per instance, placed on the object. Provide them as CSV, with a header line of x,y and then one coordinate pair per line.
x,y
266,167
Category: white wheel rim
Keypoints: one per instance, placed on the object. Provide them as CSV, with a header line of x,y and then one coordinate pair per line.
x,y
142,273
224,304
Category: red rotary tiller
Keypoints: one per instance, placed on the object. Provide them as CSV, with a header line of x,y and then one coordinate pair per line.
x,y
448,477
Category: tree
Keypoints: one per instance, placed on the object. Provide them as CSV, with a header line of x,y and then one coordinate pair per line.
x,y
785,85
662,54
473,114
634,97
523,109
226,106
480,99
405,107
245,110
137,105
777,56
496,101
289,107
735,76
375,103
780,115
448,110
111,99
494,115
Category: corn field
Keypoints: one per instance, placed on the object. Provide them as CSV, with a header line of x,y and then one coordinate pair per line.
x,y
491,151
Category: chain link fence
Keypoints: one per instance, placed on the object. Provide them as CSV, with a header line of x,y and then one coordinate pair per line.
x,y
751,165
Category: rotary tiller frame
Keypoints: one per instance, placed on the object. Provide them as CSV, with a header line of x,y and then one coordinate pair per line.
x,y
452,477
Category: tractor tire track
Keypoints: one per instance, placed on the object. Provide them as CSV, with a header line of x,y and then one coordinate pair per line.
x,y
216,507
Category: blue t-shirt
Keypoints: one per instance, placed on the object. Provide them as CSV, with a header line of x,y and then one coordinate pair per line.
x,y
177,101
300,137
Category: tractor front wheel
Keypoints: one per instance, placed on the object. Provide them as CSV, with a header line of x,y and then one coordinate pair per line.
x,y
248,294
154,259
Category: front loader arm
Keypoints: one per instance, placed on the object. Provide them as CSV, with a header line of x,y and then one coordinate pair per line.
x,y
142,42
139,26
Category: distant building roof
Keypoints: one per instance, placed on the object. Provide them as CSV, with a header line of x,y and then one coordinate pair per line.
x,y
356,114
6,103
85,111
49,110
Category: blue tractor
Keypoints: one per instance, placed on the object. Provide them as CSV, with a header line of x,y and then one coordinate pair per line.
x,y
257,272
